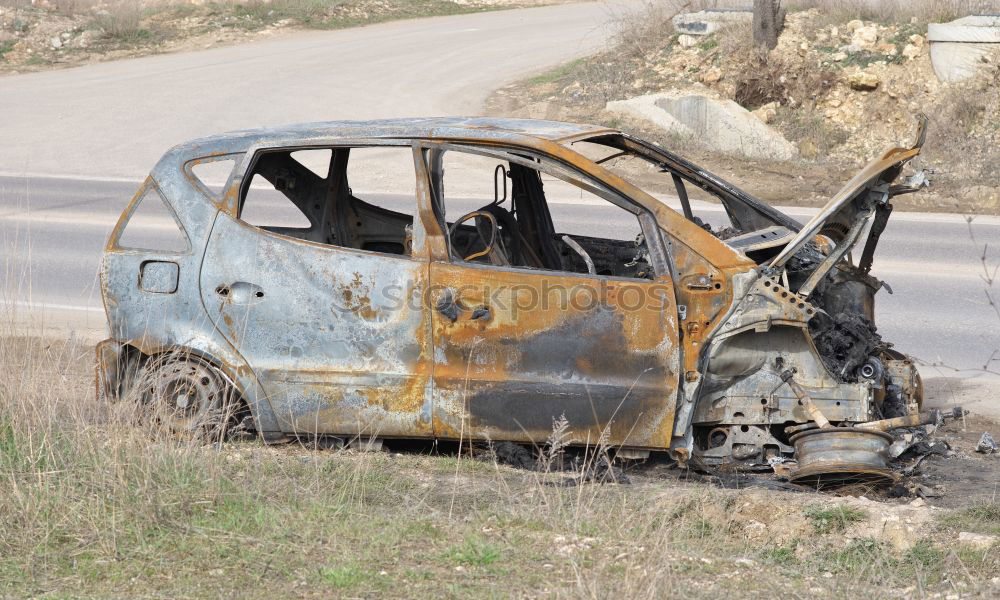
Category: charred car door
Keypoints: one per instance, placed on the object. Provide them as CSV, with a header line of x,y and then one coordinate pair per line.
x,y
533,334
330,327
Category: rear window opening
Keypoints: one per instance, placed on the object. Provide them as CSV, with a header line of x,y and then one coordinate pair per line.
x,y
362,198
152,225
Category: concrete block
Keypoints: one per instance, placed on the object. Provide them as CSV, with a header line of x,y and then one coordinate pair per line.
x,y
720,125
959,48
707,22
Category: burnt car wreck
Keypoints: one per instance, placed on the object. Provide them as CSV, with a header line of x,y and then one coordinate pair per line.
x,y
737,346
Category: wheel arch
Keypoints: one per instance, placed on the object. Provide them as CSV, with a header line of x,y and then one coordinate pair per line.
x,y
240,377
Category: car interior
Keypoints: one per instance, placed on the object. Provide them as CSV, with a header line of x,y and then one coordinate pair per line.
x,y
515,228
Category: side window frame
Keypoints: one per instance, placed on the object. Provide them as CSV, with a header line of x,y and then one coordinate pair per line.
x,y
239,182
247,180
432,152
148,186
217,197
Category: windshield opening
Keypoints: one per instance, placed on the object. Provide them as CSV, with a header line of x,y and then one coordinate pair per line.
x,y
702,197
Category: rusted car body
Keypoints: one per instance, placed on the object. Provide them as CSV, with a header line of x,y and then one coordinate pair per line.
x,y
374,323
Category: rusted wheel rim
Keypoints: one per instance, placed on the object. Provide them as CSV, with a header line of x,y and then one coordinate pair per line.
x,y
841,456
185,395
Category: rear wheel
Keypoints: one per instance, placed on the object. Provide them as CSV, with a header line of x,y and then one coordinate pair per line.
x,y
186,396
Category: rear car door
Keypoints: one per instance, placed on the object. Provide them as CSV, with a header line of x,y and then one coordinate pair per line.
x,y
335,334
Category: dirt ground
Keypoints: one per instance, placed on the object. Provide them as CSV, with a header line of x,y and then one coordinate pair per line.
x,y
809,89
967,478
42,36
96,505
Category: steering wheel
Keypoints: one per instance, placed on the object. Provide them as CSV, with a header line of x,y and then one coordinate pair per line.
x,y
494,247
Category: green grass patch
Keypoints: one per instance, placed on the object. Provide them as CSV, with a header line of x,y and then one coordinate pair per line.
x,y
344,577
37,60
473,552
858,557
557,74
123,24
981,518
834,519
323,14
779,555
6,47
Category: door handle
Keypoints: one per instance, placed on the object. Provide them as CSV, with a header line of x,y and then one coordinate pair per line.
x,y
241,292
447,307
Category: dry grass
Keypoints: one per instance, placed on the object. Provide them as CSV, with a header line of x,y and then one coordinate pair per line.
x,y
95,505
897,11
131,22
884,11
81,6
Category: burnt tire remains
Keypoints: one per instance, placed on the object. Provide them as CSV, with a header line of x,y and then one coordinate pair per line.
x,y
186,397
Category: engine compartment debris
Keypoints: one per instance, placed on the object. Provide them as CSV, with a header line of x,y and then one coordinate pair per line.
x,y
986,444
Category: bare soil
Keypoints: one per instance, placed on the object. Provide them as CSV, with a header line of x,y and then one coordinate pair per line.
x,y
807,89
967,478
41,36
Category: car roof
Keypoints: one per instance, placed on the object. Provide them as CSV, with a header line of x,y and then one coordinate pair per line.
x,y
450,128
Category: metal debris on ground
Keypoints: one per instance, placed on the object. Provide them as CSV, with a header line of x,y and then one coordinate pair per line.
x,y
598,471
987,445
515,455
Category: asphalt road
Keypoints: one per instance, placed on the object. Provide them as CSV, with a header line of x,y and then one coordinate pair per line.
x,y
116,119
52,232
75,142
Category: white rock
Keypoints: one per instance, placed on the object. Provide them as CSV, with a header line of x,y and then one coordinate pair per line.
x,y
957,48
707,22
755,528
863,81
865,36
56,42
712,75
767,112
897,532
721,125
910,51
978,540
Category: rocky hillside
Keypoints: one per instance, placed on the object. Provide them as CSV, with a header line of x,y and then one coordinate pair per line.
x,y
44,34
840,91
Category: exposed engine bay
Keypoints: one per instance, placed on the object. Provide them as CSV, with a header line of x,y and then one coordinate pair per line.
x,y
806,327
